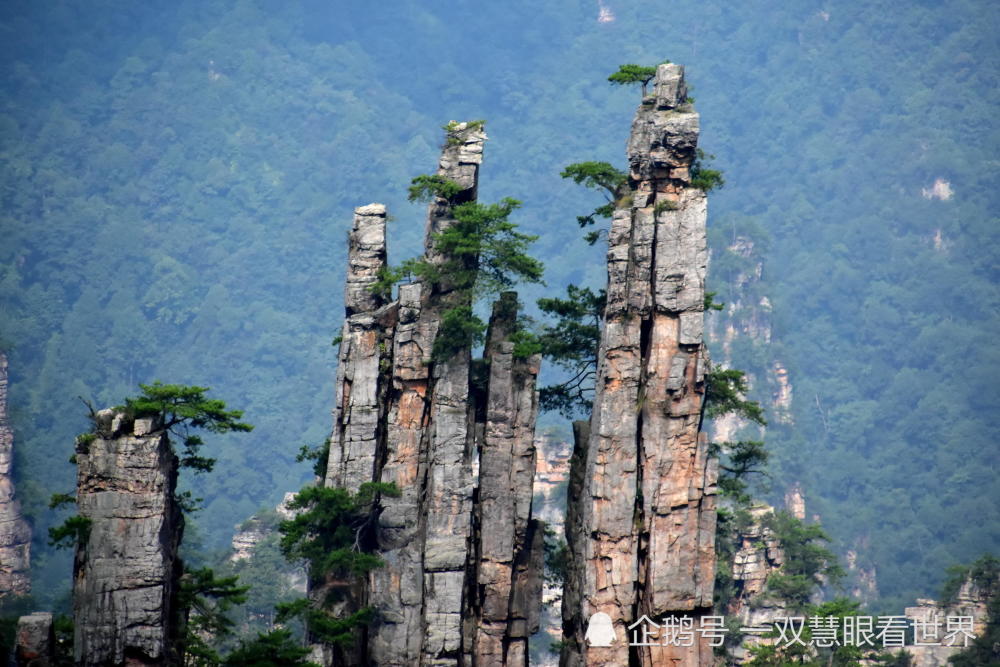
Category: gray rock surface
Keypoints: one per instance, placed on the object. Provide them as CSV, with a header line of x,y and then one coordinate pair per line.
x,y
508,572
646,510
405,417
430,449
396,589
574,623
363,378
365,352
126,572
15,531
36,641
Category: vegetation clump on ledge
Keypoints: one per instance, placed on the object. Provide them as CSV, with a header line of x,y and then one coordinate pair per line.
x,y
482,253
630,74
456,132
333,534
186,407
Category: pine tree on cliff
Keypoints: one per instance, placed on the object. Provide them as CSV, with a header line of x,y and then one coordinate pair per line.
x,y
128,441
631,74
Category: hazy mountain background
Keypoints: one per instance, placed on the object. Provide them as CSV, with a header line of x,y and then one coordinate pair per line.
x,y
176,181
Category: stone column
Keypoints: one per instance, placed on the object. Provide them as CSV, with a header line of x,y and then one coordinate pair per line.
x,y
510,564
15,532
647,506
364,359
424,535
126,569
420,421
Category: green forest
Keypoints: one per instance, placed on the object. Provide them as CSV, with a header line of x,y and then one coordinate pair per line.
x,y
177,181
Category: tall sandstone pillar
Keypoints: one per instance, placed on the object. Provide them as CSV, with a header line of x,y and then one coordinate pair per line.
x,y
645,514
15,532
126,571
424,533
365,351
509,559
403,416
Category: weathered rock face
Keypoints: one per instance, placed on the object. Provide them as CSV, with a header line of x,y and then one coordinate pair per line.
x,y
425,532
365,350
126,573
647,503
362,383
509,569
461,583
932,645
551,485
758,555
36,640
574,622
15,532
254,530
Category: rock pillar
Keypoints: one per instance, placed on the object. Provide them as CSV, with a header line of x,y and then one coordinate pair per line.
x,y
365,353
15,532
428,423
508,567
424,534
647,506
126,567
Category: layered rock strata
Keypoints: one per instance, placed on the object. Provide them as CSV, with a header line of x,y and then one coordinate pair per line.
x,y
360,406
15,532
759,553
126,567
574,622
646,509
428,423
424,533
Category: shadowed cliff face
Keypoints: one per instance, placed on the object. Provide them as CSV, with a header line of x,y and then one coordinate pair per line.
x,y
15,532
461,583
643,506
510,556
126,572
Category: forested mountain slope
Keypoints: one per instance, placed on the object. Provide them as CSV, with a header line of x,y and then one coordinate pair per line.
x,y
177,179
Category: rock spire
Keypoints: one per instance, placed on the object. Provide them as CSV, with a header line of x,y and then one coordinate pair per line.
x,y
643,517
461,580
126,570
510,550
15,532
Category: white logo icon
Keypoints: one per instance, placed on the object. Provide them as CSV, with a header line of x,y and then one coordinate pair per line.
x,y
600,631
